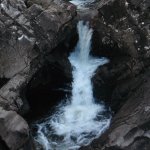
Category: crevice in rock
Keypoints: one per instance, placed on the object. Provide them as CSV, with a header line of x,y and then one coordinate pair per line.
x,y
52,82
3,81
46,89
3,145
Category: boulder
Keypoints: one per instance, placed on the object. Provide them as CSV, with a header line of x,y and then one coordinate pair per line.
x,y
11,97
14,130
125,24
114,82
27,34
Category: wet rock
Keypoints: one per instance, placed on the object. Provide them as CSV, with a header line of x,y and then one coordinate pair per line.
x,y
49,85
3,145
26,36
29,32
130,126
10,93
3,81
14,130
49,26
16,46
113,82
123,38
23,28
44,3
119,22
122,30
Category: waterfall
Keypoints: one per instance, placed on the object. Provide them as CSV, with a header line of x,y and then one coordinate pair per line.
x,y
82,4
80,120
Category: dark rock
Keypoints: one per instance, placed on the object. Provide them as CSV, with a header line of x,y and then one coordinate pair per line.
x,y
120,23
3,145
114,81
14,130
30,30
123,38
24,28
141,143
49,85
26,36
3,81
122,35
10,97
43,3
130,126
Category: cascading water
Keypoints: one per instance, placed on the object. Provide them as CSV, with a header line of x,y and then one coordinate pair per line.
x,y
82,3
80,120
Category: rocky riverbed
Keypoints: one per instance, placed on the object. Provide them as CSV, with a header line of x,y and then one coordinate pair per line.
x,y
35,40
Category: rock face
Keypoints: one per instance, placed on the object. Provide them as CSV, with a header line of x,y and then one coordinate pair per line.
x,y
29,31
124,24
27,34
13,129
49,85
130,127
122,30
24,28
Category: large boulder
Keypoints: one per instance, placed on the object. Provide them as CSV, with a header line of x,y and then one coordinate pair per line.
x,y
11,97
14,130
27,34
124,23
22,29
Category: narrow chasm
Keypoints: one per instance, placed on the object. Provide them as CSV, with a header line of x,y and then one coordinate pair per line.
x,y
60,96
74,79
51,83
48,86
75,75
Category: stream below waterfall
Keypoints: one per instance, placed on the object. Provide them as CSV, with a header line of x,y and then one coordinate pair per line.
x,y
79,119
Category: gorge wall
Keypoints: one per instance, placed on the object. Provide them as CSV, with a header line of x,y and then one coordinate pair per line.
x,y
123,33
29,32
36,37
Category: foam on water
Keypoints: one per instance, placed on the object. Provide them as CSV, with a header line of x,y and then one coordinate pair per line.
x,y
80,120
81,4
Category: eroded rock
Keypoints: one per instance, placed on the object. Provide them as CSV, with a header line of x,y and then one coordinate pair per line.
x,y
29,31
130,127
26,36
122,28
14,130
123,38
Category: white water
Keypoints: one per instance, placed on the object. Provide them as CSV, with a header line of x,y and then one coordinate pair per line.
x,y
82,4
80,120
